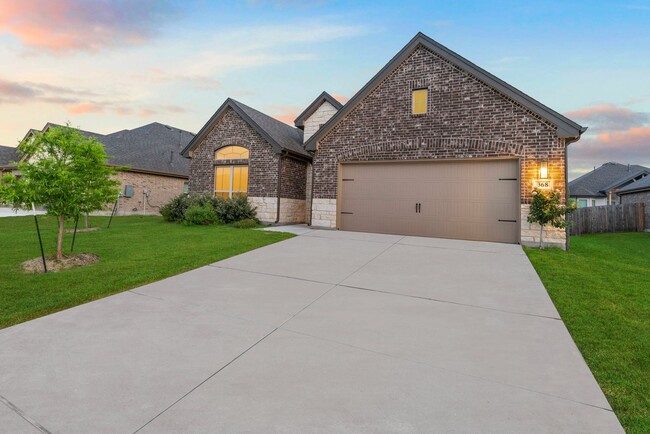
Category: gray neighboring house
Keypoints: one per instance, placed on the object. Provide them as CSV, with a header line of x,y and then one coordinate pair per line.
x,y
155,170
602,185
638,191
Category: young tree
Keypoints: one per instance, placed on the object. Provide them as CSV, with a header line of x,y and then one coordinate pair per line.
x,y
546,209
65,172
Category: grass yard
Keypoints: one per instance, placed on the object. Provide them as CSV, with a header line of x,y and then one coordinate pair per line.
x,y
134,251
602,289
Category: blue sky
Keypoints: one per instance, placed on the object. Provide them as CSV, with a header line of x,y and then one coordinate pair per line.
x,y
110,65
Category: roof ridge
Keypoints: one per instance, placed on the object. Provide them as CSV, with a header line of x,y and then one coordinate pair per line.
x,y
314,105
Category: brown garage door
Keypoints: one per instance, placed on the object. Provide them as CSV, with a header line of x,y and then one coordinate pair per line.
x,y
470,200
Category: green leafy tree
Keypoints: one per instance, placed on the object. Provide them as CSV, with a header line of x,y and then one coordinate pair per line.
x,y
547,209
63,171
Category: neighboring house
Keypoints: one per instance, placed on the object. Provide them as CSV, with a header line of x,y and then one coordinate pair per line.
x,y
638,191
154,171
433,145
601,186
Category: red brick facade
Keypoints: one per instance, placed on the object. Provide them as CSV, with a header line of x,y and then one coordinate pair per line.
x,y
465,119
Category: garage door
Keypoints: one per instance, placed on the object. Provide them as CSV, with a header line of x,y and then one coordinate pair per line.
x,y
470,200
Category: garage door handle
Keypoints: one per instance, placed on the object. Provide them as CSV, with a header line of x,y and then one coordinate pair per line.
x,y
418,207
509,221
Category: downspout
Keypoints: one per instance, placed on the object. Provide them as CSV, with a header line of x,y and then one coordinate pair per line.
x,y
567,142
277,215
311,197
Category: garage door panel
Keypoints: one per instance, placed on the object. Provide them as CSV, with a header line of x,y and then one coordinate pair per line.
x,y
465,200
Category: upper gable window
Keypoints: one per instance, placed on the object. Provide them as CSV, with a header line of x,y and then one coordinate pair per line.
x,y
419,101
231,153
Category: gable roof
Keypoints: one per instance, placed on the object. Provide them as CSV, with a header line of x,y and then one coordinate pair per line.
x,y
153,147
600,181
281,137
566,127
640,185
323,97
8,156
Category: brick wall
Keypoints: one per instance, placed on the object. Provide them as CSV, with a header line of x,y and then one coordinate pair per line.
x,y
233,130
293,179
161,190
465,119
318,118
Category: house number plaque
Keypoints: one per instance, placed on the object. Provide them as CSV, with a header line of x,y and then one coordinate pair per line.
x,y
543,184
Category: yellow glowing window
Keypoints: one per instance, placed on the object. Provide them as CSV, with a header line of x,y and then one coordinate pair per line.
x,y
231,153
419,101
230,181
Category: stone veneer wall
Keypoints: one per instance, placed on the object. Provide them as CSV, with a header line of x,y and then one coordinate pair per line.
x,y
465,119
551,237
313,123
291,210
161,189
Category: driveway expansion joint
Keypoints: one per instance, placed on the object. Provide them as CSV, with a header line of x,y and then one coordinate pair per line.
x,y
430,365
437,300
23,415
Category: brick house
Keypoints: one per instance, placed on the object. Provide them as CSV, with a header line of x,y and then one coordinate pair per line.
x,y
433,145
154,170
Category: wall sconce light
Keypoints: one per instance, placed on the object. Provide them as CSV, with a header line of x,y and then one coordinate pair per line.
x,y
543,170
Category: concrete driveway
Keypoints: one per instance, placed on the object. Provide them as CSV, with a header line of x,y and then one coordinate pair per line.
x,y
326,332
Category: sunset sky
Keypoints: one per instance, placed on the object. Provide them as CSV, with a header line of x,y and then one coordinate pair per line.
x,y
110,65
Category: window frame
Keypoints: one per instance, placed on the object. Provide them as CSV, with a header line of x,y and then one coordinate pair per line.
x,y
231,177
426,101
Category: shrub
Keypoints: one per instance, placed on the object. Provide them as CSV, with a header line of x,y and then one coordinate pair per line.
x,y
227,210
174,211
246,224
200,215
235,209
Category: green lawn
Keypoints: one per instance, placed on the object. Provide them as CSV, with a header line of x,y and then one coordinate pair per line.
x,y
602,289
133,252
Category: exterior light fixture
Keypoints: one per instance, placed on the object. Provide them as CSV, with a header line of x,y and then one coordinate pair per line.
x,y
543,170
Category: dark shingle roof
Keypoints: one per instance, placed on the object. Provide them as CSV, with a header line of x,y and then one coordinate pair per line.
x,y
154,147
8,156
642,184
281,137
288,137
598,182
300,120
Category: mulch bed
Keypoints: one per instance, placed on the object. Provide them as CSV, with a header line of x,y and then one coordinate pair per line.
x,y
36,265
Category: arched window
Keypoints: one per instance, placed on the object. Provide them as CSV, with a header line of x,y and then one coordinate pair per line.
x,y
230,180
231,153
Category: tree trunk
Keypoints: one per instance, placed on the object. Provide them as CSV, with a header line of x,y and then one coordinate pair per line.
x,y
86,220
541,231
59,241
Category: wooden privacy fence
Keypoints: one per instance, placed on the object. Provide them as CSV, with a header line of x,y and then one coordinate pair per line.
x,y
627,217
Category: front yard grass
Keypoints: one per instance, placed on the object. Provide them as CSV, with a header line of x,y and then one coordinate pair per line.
x,y
134,251
601,287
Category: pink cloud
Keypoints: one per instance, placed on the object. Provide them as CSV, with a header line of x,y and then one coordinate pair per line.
x,y
285,114
123,111
630,146
341,98
65,25
607,117
146,113
85,108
